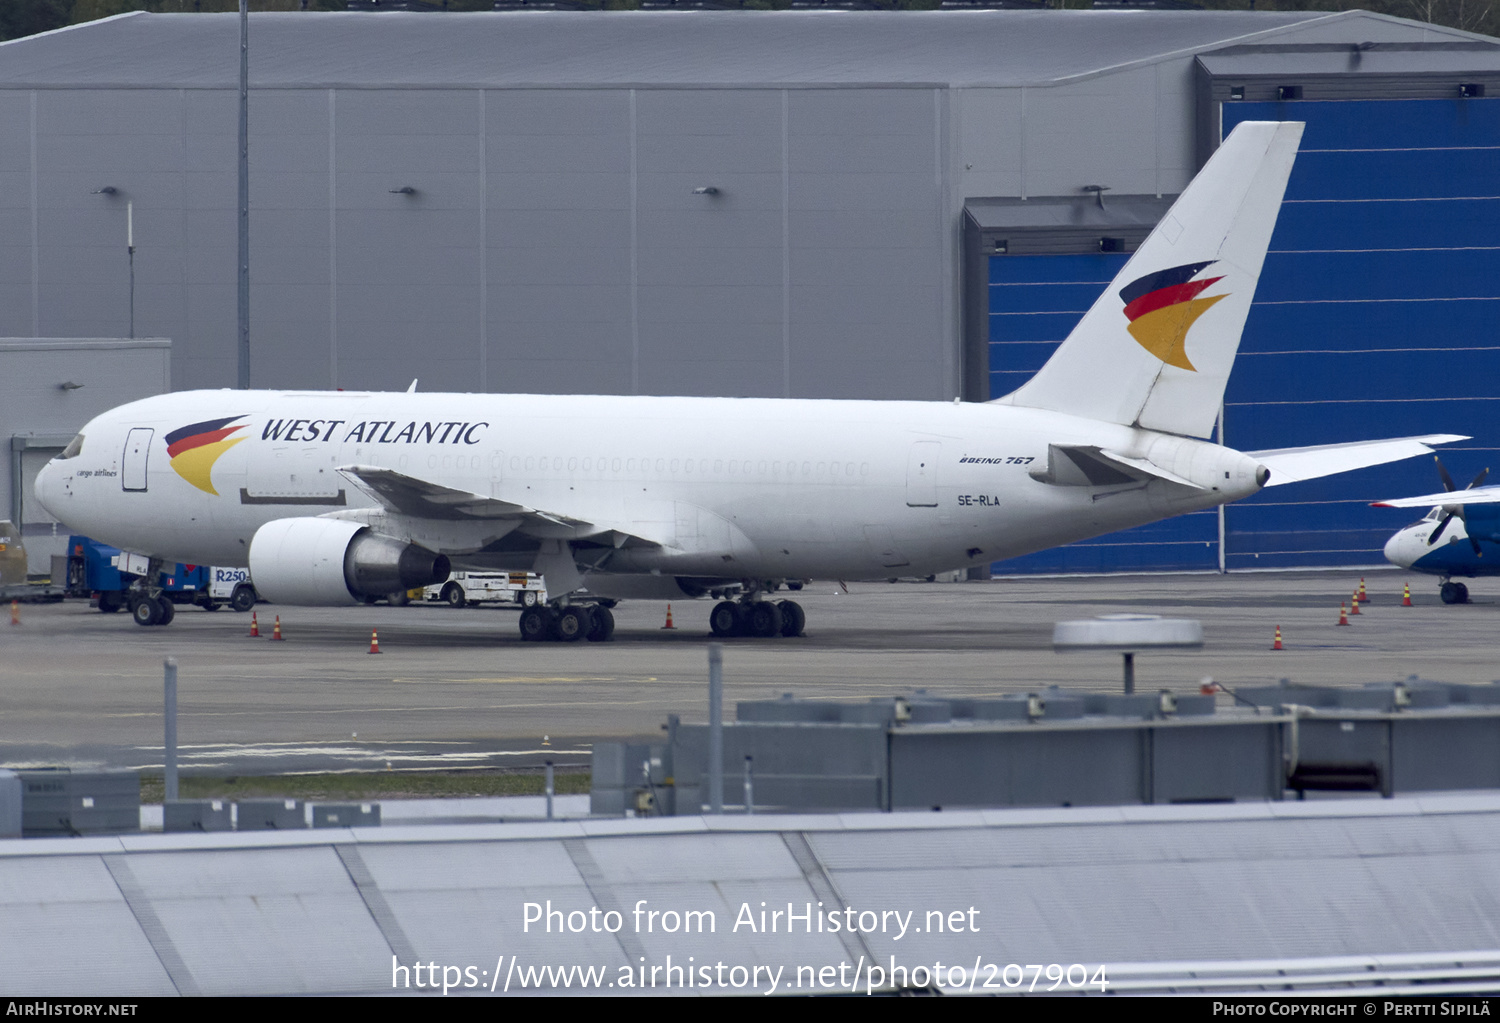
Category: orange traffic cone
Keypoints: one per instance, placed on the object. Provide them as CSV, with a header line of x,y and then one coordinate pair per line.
x,y
1363,596
1354,604
1343,618
254,626
276,632
15,612
374,642
1277,645
1406,595
669,624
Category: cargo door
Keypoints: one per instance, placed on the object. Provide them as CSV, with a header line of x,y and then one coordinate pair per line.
x,y
137,449
921,474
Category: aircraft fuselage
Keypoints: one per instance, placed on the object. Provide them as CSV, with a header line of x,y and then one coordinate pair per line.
x,y
727,488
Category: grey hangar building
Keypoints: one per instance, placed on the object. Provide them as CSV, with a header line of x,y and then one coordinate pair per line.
x,y
896,205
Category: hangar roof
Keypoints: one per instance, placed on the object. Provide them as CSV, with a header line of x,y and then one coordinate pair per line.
x,y
707,48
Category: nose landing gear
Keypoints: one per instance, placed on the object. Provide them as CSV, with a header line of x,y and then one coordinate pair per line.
x,y
1453,593
148,604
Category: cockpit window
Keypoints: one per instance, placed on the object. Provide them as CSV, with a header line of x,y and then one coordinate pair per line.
x,y
1433,515
74,447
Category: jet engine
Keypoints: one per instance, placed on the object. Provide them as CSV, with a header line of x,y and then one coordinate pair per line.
x,y
330,561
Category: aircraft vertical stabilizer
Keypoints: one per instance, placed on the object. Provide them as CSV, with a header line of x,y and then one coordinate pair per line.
x,y
1156,349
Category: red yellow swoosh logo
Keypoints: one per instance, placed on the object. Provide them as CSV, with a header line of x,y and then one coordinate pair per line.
x,y
194,449
1162,306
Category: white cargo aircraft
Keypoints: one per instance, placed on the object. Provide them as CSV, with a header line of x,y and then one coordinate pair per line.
x,y
335,497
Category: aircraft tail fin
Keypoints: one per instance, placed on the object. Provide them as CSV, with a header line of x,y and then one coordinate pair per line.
x,y
1156,349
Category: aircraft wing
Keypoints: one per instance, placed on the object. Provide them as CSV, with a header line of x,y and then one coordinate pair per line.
x,y
1292,465
408,495
1478,495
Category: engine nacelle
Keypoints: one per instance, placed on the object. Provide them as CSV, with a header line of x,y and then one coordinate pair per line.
x,y
330,561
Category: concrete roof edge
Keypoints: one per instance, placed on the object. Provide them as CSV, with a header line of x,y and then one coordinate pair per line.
x,y
1426,26
1193,51
1429,804
26,344
70,28
489,86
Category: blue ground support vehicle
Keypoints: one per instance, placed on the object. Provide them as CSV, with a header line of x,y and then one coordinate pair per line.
x,y
103,574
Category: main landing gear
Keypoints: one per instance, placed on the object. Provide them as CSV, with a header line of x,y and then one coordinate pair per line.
x,y
1454,593
764,618
593,622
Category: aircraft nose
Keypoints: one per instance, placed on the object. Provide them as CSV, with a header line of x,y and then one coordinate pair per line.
x,y
47,489
1399,549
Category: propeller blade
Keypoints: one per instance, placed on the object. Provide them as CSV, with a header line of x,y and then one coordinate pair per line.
x,y
1463,516
1439,530
1443,473
1479,479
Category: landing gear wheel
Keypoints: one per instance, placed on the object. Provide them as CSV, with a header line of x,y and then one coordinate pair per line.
x,y
168,610
574,623
536,624
604,626
454,595
1454,593
724,619
528,598
764,619
1463,594
243,598
145,611
793,618
794,584
110,602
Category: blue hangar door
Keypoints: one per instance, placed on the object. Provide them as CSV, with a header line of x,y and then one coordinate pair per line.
x,y
1377,315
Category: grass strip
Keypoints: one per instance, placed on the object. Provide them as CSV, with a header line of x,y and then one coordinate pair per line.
x,y
366,786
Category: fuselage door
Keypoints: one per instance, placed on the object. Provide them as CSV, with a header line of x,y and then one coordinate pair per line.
x,y
921,474
137,449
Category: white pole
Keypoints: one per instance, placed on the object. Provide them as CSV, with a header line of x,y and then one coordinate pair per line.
x,y
715,728
170,743
550,789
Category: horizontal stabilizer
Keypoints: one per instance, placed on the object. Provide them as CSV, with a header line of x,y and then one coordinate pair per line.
x,y
1478,495
1293,465
1084,465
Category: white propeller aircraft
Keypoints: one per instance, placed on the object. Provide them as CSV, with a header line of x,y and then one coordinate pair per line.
x,y
1476,510
335,497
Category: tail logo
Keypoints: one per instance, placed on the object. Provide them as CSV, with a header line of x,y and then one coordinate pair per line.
x,y
1162,306
194,449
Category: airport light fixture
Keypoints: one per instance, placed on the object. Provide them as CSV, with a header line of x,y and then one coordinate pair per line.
x,y
106,190
705,190
404,190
